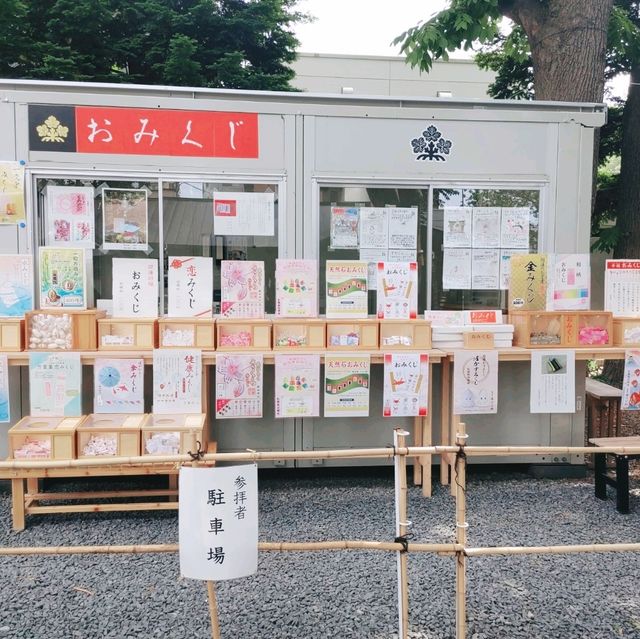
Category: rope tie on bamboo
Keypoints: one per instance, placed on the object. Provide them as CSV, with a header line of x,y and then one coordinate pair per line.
x,y
198,455
254,459
404,541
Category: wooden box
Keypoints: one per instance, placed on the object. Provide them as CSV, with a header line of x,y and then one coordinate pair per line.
x,y
124,333
561,329
242,334
626,331
299,333
187,333
405,334
110,435
352,334
61,329
11,334
172,434
44,438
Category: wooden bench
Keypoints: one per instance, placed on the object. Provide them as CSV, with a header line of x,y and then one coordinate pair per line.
x,y
620,479
602,398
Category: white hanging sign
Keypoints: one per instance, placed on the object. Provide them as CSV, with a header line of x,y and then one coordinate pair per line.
x,y
553,382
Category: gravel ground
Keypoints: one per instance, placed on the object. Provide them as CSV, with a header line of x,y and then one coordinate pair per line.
x,y
339,594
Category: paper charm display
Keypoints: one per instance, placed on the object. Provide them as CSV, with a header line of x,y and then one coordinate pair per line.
x,y
118,386
70,216
125,219
297,386
622,287
62,278
12,210
296,288
218,522
475,382
346,385
177,381
346,289
242,291
553,381
397,290
406,384
631,381
135,287
528,282
16,285
569,282
55,384
243,213
238,385
190,287
344,227
5,411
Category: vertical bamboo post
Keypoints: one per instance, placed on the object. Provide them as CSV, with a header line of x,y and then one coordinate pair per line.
x,y
461,533
213,610
456,424
402,525
427,438
445,416
417,461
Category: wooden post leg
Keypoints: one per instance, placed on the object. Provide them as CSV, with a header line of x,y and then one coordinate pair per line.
x,y
445,416
32,485
417,441
461,537
600,471
402,527
455,429
622,483
213,610
427,440
173,485
17,504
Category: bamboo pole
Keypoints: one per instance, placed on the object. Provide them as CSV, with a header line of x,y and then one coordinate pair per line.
x,y
213,610
461,533
505,551
402,525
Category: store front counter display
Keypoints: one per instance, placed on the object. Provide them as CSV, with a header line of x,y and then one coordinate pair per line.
x,y
44,438
187,332
57,329
110,435
120,333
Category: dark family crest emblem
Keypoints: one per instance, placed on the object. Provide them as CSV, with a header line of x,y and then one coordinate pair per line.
x,y
431,145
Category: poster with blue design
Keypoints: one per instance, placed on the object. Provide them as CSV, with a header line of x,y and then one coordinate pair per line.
x,y
55,384
16,285
5,411
118,386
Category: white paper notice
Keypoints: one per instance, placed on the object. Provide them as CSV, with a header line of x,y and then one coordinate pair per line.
x,y
631,381
135,287
400,255
505,265
569,282
372,257
406,384
346,385
514,229
485,269
622,287
475,382
177,381
243,213
374,228
456,268
218,522
553,387
344,227
190,287
457,227
403,228
486,227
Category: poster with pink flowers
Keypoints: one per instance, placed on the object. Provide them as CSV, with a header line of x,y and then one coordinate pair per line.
x,y
242,290
238,385
70,218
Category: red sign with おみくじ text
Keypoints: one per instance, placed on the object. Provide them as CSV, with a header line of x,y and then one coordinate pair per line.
x,y
166,132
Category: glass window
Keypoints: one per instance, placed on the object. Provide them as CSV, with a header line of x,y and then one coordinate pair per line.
x,y
457,299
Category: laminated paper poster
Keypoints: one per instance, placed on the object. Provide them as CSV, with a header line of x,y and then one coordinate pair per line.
x,y
514,228
485,269
475,382
16,285
397,287
631,381
55,384
457,227
569,282
528,282
62,278
346,289
486,227
177,381
5,411
296,288
70,216
406,384
346,385
125,220
242,291
553,387
239,385
505,265
374,228
12,210
403,228
344,227
118,386
456,268
243,213
135,287
190,287
297,386
622,287
218,522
